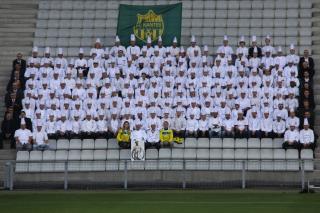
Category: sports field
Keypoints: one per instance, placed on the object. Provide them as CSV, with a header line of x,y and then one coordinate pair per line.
x,y
165,201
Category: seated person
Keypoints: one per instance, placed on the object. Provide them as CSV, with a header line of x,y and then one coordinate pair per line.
x,y
266,125
166,135
228,126
307,136
291,137
214,125
88,127
153,137
192,126
138,134
23,137
278,127
40,138
241,126
179,126
254,124
123,136
203,126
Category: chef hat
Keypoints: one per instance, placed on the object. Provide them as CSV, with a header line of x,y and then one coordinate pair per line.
x,y
291,46
148,40
193,38
205,48
71,61
175,40
242,39
268,37
159,39
35,49
47,50
117,39
81,51
254,38
305,122
106,51
181,49
225,38
132,37
60,51
279,49
23,121
98,40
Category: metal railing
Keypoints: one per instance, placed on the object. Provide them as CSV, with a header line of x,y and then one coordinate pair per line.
x,y
182,180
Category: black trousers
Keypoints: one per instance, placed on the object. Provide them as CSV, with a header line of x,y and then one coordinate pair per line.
x,y
295,145
152,145
124,145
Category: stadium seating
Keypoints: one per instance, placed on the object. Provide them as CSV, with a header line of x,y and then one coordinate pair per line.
x,y
65,24
230,157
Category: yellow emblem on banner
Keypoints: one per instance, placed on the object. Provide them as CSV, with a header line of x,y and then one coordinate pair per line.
x,y
149,24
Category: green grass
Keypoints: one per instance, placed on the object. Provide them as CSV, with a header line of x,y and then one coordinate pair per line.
x,y
164,201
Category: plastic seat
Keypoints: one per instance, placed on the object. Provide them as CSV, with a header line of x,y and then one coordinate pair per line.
x,y
52,144
113,154
63,144
99,155
266,143
190,154
266,159
61,158
75,144
22,156
277,143
203,143
279,156
152,154
74,157
292,158
254,143
177,154
202,154
88,144
48,158
228,143
241,143
86,163
165,153
35,156
307,157
215,154
100,144
113,144
190,143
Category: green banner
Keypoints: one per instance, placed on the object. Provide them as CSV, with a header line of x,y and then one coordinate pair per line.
x,y
153,21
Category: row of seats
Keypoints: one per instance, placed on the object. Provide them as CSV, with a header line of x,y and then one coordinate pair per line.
x,y
220,4
230,143
101,160
166,154
219,32
205,23
210,14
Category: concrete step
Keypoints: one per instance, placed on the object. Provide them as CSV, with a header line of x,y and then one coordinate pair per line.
x,y
16,25
7,154
19,6
31,29
19,11
16,35
17,16
16,21
17,43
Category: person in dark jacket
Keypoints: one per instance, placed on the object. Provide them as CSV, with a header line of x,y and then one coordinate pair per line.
x,y
19,60
7,130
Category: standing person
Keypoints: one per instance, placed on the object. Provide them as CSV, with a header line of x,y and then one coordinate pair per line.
x,y
23,137
138,134
307,136
123,136
7,130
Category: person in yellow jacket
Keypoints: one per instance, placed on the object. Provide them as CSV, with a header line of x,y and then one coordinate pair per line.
x,y
123,136
166,135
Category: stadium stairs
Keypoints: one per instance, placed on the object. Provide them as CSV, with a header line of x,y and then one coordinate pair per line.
x,y
17,26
